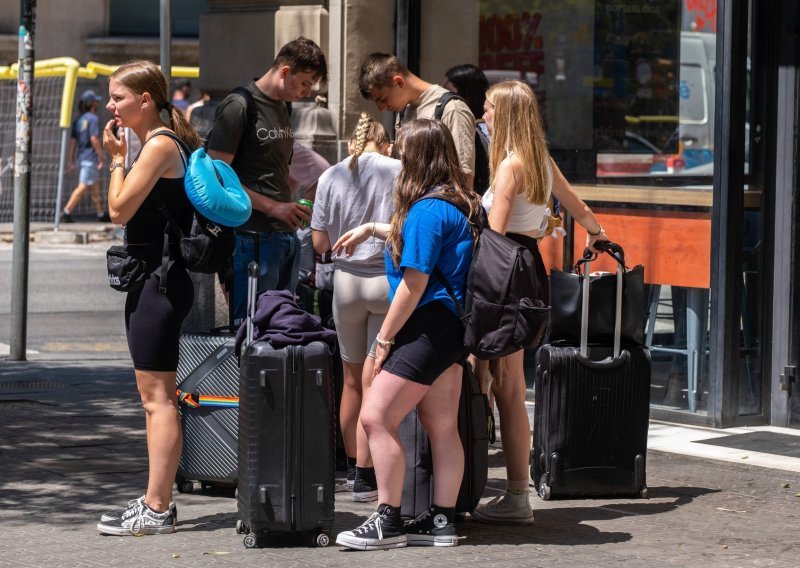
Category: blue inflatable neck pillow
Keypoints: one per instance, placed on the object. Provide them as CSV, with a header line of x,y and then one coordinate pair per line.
x,y
215,190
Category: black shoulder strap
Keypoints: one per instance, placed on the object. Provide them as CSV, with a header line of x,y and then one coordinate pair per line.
x,y
250,104
443,100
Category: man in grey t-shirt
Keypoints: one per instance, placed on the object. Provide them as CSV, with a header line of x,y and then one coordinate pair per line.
x,y
259,151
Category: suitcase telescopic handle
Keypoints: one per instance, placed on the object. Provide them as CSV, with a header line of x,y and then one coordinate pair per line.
x,y
252,287
615,251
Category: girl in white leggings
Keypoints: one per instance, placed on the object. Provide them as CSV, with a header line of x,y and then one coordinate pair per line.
x,y
357,190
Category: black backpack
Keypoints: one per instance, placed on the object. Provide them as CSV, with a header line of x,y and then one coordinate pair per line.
x,y
202,119
208,246
481,180
505,306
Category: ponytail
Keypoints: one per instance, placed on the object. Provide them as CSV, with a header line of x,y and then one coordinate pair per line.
x,y
182,128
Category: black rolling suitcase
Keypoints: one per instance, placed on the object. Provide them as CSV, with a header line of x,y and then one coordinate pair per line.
x,y
286,441
474,431
591,415
208,392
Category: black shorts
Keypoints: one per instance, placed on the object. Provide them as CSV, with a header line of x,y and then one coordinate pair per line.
x,y
428,344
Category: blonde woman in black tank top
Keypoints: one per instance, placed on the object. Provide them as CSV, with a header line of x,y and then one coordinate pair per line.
x,y
138,100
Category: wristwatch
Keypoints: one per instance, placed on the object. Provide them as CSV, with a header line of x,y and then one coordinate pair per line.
x,y
114,165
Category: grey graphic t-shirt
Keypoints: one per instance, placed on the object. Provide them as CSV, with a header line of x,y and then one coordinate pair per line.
x,y
262,159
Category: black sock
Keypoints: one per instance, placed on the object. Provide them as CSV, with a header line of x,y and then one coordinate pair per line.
x,y
351,462
391,515
449,512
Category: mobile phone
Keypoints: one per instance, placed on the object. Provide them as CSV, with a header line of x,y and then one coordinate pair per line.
x,y
115,130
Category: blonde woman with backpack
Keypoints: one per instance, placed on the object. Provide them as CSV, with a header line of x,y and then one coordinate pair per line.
x,y
522,178
357,190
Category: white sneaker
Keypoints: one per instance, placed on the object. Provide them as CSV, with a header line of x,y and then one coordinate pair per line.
x,y
139,520
131,504
507,509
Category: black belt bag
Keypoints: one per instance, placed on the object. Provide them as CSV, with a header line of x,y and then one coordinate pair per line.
x,y
126,272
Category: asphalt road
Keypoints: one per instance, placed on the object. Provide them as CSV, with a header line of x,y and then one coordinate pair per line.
x,y
72,312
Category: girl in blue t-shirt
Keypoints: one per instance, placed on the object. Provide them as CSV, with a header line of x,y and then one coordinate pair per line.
x,y
421,341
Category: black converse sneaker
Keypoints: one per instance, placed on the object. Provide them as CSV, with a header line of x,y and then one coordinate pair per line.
x,y
135,503
365,486
431,528
383,530
139,520
351,473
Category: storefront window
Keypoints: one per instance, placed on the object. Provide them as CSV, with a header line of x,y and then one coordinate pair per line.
x,y
626,91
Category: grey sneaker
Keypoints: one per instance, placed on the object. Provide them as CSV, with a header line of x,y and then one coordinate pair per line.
x,y
365,491
135,503
507,509
139,520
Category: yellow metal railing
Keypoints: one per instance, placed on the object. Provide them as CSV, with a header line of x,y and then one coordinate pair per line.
x,y
71,70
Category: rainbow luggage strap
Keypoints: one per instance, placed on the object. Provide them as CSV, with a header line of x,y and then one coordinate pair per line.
x,y
198,400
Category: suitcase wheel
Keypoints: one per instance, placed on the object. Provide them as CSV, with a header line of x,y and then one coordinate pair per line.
x,y
544,489
250,541
643,493
323,540
184,485
241,528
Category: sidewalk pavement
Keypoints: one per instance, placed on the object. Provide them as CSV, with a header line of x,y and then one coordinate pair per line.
x,y
72,446
80,232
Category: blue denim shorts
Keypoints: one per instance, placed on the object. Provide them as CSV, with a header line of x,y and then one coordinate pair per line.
x,y
89,174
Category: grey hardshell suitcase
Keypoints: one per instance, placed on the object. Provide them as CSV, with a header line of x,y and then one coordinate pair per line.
x,y
591,415
208,391
286,446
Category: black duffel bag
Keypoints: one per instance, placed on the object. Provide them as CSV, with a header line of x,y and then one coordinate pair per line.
x,y
566,301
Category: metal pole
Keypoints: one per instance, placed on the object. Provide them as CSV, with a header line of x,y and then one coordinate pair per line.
x,y
22,183
62,164
166,40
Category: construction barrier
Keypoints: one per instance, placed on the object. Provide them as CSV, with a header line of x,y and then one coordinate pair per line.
x,y
57,85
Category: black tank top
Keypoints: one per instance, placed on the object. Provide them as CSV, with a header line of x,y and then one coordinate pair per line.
x,y
147,225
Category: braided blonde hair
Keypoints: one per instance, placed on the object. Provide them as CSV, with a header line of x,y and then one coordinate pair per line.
x,y
367,130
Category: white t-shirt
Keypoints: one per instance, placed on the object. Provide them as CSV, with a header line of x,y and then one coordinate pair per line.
x,y
346,200
525,216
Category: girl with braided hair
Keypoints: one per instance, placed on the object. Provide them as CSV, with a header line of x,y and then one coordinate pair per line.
x,y
358,190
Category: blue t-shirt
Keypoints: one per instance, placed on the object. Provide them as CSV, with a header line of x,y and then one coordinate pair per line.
x,y
435,233
84,127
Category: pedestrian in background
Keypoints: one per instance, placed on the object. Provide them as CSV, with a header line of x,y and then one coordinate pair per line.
x,y
138,100
523,175
421,341
469,83
181,95
86,152
355,191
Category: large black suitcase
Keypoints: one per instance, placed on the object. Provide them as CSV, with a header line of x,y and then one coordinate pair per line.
x,y
286,450
591,416
208,385
474,431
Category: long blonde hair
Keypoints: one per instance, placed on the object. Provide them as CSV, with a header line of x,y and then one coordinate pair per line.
x,y
429,159
517,127
367,130
144,76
